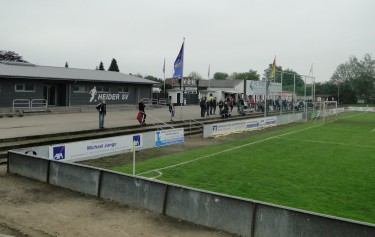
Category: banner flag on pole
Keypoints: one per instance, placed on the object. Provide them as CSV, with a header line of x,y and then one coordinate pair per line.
x,y
179,63
311,70
273,72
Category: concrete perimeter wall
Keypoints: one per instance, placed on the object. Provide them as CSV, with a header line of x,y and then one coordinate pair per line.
x,y
232,214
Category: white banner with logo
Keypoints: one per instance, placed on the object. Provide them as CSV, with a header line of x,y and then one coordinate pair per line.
x,y
96,147
362,109
259,88
168,137
238,126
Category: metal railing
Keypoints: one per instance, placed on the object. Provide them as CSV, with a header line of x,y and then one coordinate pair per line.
x,y
163,102
192,123
21,104
159,122
27,104
39,103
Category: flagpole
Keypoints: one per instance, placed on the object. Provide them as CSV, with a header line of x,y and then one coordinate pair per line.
x,y
294,94
209,82
305,101
164,78
182,75
281,91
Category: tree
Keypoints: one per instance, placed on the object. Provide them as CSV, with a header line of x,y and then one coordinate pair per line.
x,y
167,86
221,76
251,75
152,78
66,64
288,79
113,67
137,75
11,56
360,75
101,66
195,76
267,73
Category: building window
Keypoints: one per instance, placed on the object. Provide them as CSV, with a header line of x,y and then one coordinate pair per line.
x,y
79,89
27,87
102,89
123,89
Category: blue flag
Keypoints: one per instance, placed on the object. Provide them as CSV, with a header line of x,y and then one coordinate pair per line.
x,y
179,63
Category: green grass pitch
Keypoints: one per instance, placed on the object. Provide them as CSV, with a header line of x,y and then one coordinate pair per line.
x,y
327,168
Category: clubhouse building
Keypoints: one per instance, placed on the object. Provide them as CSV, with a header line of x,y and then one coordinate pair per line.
x,y
60,86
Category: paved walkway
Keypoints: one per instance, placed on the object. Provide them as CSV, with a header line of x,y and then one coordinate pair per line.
x,y
57,123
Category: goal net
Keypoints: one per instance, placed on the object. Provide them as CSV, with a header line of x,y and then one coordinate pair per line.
x,y
329,108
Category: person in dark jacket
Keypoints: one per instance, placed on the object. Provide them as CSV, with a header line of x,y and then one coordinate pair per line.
x,y
214,104
102,108
141,107
211,106
202,104
225,112
221,105
208,107
171,111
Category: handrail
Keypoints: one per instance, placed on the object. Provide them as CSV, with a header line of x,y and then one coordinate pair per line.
x,y
190,122
22,103
38,103
163,102
160,122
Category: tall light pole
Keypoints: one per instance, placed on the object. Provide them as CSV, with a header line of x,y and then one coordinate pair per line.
x,y
338,92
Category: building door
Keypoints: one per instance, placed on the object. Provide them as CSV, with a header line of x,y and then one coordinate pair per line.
x,y
50,94
178,98
61,95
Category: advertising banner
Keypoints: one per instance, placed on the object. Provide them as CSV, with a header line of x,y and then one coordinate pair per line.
x,y
96,147
259,123
259,88
239,126
168,137
364,109
229,127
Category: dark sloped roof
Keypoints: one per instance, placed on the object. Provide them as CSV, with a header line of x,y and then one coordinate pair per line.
x,y
219,83
32,71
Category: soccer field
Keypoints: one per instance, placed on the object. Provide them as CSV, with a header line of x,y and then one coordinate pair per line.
x,y
327,168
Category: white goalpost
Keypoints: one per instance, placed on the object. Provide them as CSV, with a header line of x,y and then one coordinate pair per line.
x,y
329,109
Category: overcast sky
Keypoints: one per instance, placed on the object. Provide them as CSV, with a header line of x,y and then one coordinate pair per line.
x,y
230,35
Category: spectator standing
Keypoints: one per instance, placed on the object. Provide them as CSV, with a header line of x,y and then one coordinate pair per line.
x,y
242,103
141,107
208,107
252,102
221,105
102,108
211,105
171,110
238,106
202,104
225,111
214,104
231,103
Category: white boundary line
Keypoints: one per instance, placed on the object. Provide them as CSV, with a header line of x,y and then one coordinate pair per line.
x,y
323,142
158,170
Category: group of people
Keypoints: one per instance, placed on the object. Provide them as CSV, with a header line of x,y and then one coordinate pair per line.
x,y
102,109
208,106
